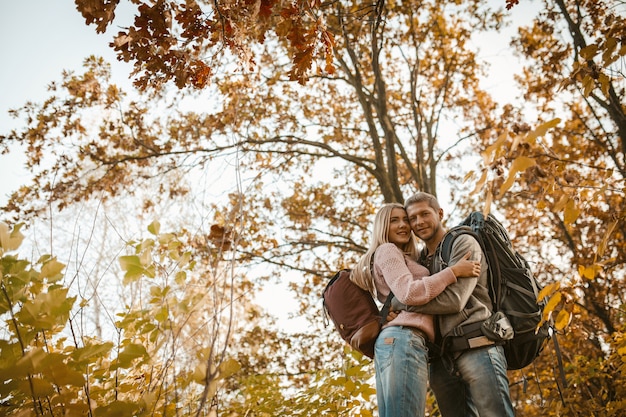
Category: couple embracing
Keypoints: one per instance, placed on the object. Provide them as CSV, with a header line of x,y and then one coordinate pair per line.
x,y
433,301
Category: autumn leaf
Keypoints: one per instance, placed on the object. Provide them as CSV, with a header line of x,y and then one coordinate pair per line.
x,y
562,320
52,270
542,129
548,290
220,237
10,240
571,212
520,164
554,300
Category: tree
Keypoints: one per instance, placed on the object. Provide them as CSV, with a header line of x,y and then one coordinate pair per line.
x,y
374,120
572,179
394,93
402,75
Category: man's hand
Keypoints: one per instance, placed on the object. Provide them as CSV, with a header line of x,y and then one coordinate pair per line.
x,y
392,315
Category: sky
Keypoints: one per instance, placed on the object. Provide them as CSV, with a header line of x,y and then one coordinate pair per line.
x,y
41,38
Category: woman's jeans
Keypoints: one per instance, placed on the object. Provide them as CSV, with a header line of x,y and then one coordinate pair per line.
x,y
401,362
475,384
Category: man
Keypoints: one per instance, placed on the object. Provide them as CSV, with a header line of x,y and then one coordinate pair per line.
x,y
469,377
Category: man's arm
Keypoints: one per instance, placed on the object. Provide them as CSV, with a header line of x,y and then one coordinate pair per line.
x,y
454,298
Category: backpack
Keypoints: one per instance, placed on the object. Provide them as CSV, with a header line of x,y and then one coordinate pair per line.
x,y
354,312
512,287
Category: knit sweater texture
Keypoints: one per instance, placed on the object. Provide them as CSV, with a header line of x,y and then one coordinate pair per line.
x,y
411,283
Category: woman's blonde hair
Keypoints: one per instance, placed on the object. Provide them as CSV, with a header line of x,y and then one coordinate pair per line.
x,y
362,273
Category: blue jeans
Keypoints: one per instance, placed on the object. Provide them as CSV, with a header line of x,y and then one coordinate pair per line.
x,y
475,384
401,362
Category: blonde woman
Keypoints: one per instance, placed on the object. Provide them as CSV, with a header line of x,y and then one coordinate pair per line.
x,y
400,353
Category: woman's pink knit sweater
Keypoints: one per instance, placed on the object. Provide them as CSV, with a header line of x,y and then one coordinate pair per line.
x,y
411,283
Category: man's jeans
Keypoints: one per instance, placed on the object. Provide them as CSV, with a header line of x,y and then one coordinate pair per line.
x,y
475,384
401,362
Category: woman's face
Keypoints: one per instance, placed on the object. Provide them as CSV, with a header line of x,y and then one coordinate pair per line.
x,y
399,228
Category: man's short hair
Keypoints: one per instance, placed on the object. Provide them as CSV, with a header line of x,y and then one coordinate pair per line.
x,y
421,197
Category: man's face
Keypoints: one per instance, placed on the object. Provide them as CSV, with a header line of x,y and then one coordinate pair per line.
x,y
425,221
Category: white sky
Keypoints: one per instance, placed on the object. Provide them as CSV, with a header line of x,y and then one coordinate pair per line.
x,y
41,38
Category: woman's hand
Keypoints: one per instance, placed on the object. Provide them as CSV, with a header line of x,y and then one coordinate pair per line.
x,y
466,268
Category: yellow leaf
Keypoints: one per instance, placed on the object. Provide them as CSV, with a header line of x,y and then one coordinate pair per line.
x,y
548,290
10,241
52,270
129,262
162,314
154,227
541,130
588,52
39,387
489,154
602,245
589,272
146,245
130,353
571,212
481,182
91,353
199,373
180,277
350,386
562,320
561,203
145,258
468,175
588,85
229,367
515,144
520,164
552,303
605,84
30,362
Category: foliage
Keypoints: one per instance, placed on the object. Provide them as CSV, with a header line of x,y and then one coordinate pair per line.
x,y
184,41
167,357
369,127
561,185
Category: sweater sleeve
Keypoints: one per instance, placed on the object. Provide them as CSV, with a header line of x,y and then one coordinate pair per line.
x,y
456,296
409,281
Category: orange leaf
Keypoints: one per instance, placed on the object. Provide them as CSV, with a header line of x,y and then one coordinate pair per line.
x,y
562,320
520,164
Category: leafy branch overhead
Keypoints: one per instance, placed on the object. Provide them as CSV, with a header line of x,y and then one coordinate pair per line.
x,y
186,42
189,42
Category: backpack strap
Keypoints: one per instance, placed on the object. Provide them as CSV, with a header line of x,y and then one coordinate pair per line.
x,y
384,312
445,247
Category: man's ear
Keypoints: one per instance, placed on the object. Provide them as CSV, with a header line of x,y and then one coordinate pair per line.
x,y
440,214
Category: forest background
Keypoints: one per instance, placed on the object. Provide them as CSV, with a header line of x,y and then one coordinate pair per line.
x,y
251,152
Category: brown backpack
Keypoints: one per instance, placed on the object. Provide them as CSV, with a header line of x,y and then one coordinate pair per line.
x,y
354,312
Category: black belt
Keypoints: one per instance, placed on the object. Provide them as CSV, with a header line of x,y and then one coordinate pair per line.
x,y
471,337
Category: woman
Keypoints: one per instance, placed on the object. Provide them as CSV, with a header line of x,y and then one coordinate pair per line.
x,y
400,353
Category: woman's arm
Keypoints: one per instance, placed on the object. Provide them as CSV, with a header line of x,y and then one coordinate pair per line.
x,y
455,296
409,281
